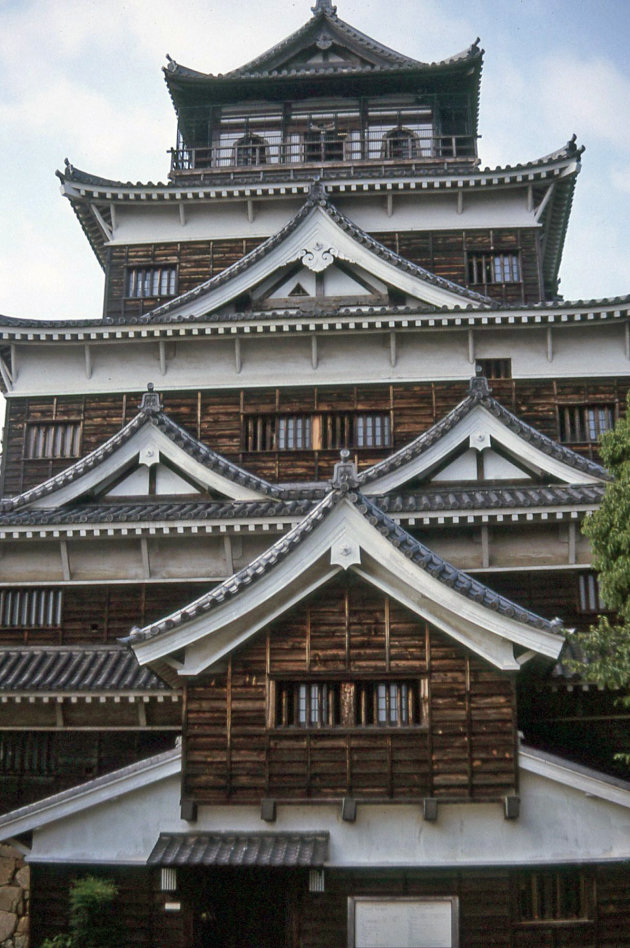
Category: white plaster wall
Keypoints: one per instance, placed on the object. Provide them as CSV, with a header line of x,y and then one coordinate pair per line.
x,y
141,222
556,824
354,356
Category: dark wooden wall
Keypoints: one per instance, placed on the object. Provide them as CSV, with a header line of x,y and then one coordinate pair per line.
x,y
488,905
95,614
441,252
464,750
218,419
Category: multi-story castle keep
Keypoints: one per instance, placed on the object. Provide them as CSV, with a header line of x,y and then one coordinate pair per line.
x,y
290,537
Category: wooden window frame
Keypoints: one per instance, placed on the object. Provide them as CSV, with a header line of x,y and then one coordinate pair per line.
x,y
545,896
495,369
146,281
583,422
589,600
493,267
317,431
52,440
31,608
377,703
28,753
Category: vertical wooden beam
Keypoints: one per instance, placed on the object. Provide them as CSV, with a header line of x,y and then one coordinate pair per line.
x,y
485,546
251,214
227,550
530,198
14,361
469,762
549,344
346,603
238,361
314,352
572,552
182,214
307,646
471,346
228,729
460,201
389,205
627,338
162,356
88,360
146,561
393,349
387,634
65,561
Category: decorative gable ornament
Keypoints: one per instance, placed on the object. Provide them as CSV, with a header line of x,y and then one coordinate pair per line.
x,y
318,257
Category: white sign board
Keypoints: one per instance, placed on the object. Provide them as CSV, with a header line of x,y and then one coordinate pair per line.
x,y
402,923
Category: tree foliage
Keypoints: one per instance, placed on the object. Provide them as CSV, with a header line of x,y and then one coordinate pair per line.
x,y
94,922
606,645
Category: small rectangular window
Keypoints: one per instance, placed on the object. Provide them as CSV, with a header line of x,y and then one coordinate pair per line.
x,y
52,439
586,423
493,267
494,369
30,608
553,896
151,281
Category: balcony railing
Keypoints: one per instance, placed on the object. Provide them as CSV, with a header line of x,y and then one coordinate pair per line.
x,y
254,153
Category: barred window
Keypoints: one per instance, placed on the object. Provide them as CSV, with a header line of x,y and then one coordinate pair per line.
x,y
400,143
52,439
585,423
32,752
553,896
30,608
493,267
494,369
589,598
313,704
151,281
323,145
322,431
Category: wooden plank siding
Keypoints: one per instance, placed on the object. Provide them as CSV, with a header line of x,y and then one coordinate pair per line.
x,y
217,418
464,749
441,252
96,614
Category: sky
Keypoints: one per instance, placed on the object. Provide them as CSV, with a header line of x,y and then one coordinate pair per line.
x,y
82,79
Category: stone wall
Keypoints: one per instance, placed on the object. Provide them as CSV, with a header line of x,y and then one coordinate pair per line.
x,y
15,885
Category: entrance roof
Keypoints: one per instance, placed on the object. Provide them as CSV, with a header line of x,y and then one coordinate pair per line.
x,y
277,850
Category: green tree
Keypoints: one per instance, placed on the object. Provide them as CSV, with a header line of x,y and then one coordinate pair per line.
x,y
606,645
94,922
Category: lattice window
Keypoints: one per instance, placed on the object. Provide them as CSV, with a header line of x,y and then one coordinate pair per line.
x,y
554,896
31,608
494,369
584,423
321,431
151,281
52,439
493,267
400,703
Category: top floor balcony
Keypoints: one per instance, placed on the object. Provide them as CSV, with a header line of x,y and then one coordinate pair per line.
x,y
267,148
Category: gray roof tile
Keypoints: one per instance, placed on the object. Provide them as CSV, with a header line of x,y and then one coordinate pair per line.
x,y
273,850
74,669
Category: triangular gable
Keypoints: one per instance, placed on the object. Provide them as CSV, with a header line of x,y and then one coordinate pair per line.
x,y
150,457
345,531
480,429
336,42
317,237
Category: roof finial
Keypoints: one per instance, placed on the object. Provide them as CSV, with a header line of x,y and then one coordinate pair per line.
x,y
478,386
345,473
151,400
324,6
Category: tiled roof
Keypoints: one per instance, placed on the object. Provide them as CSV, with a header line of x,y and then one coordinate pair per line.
x,y
490,498
480,395
416,551
166,510
65,669
274,850
317,197
150,412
